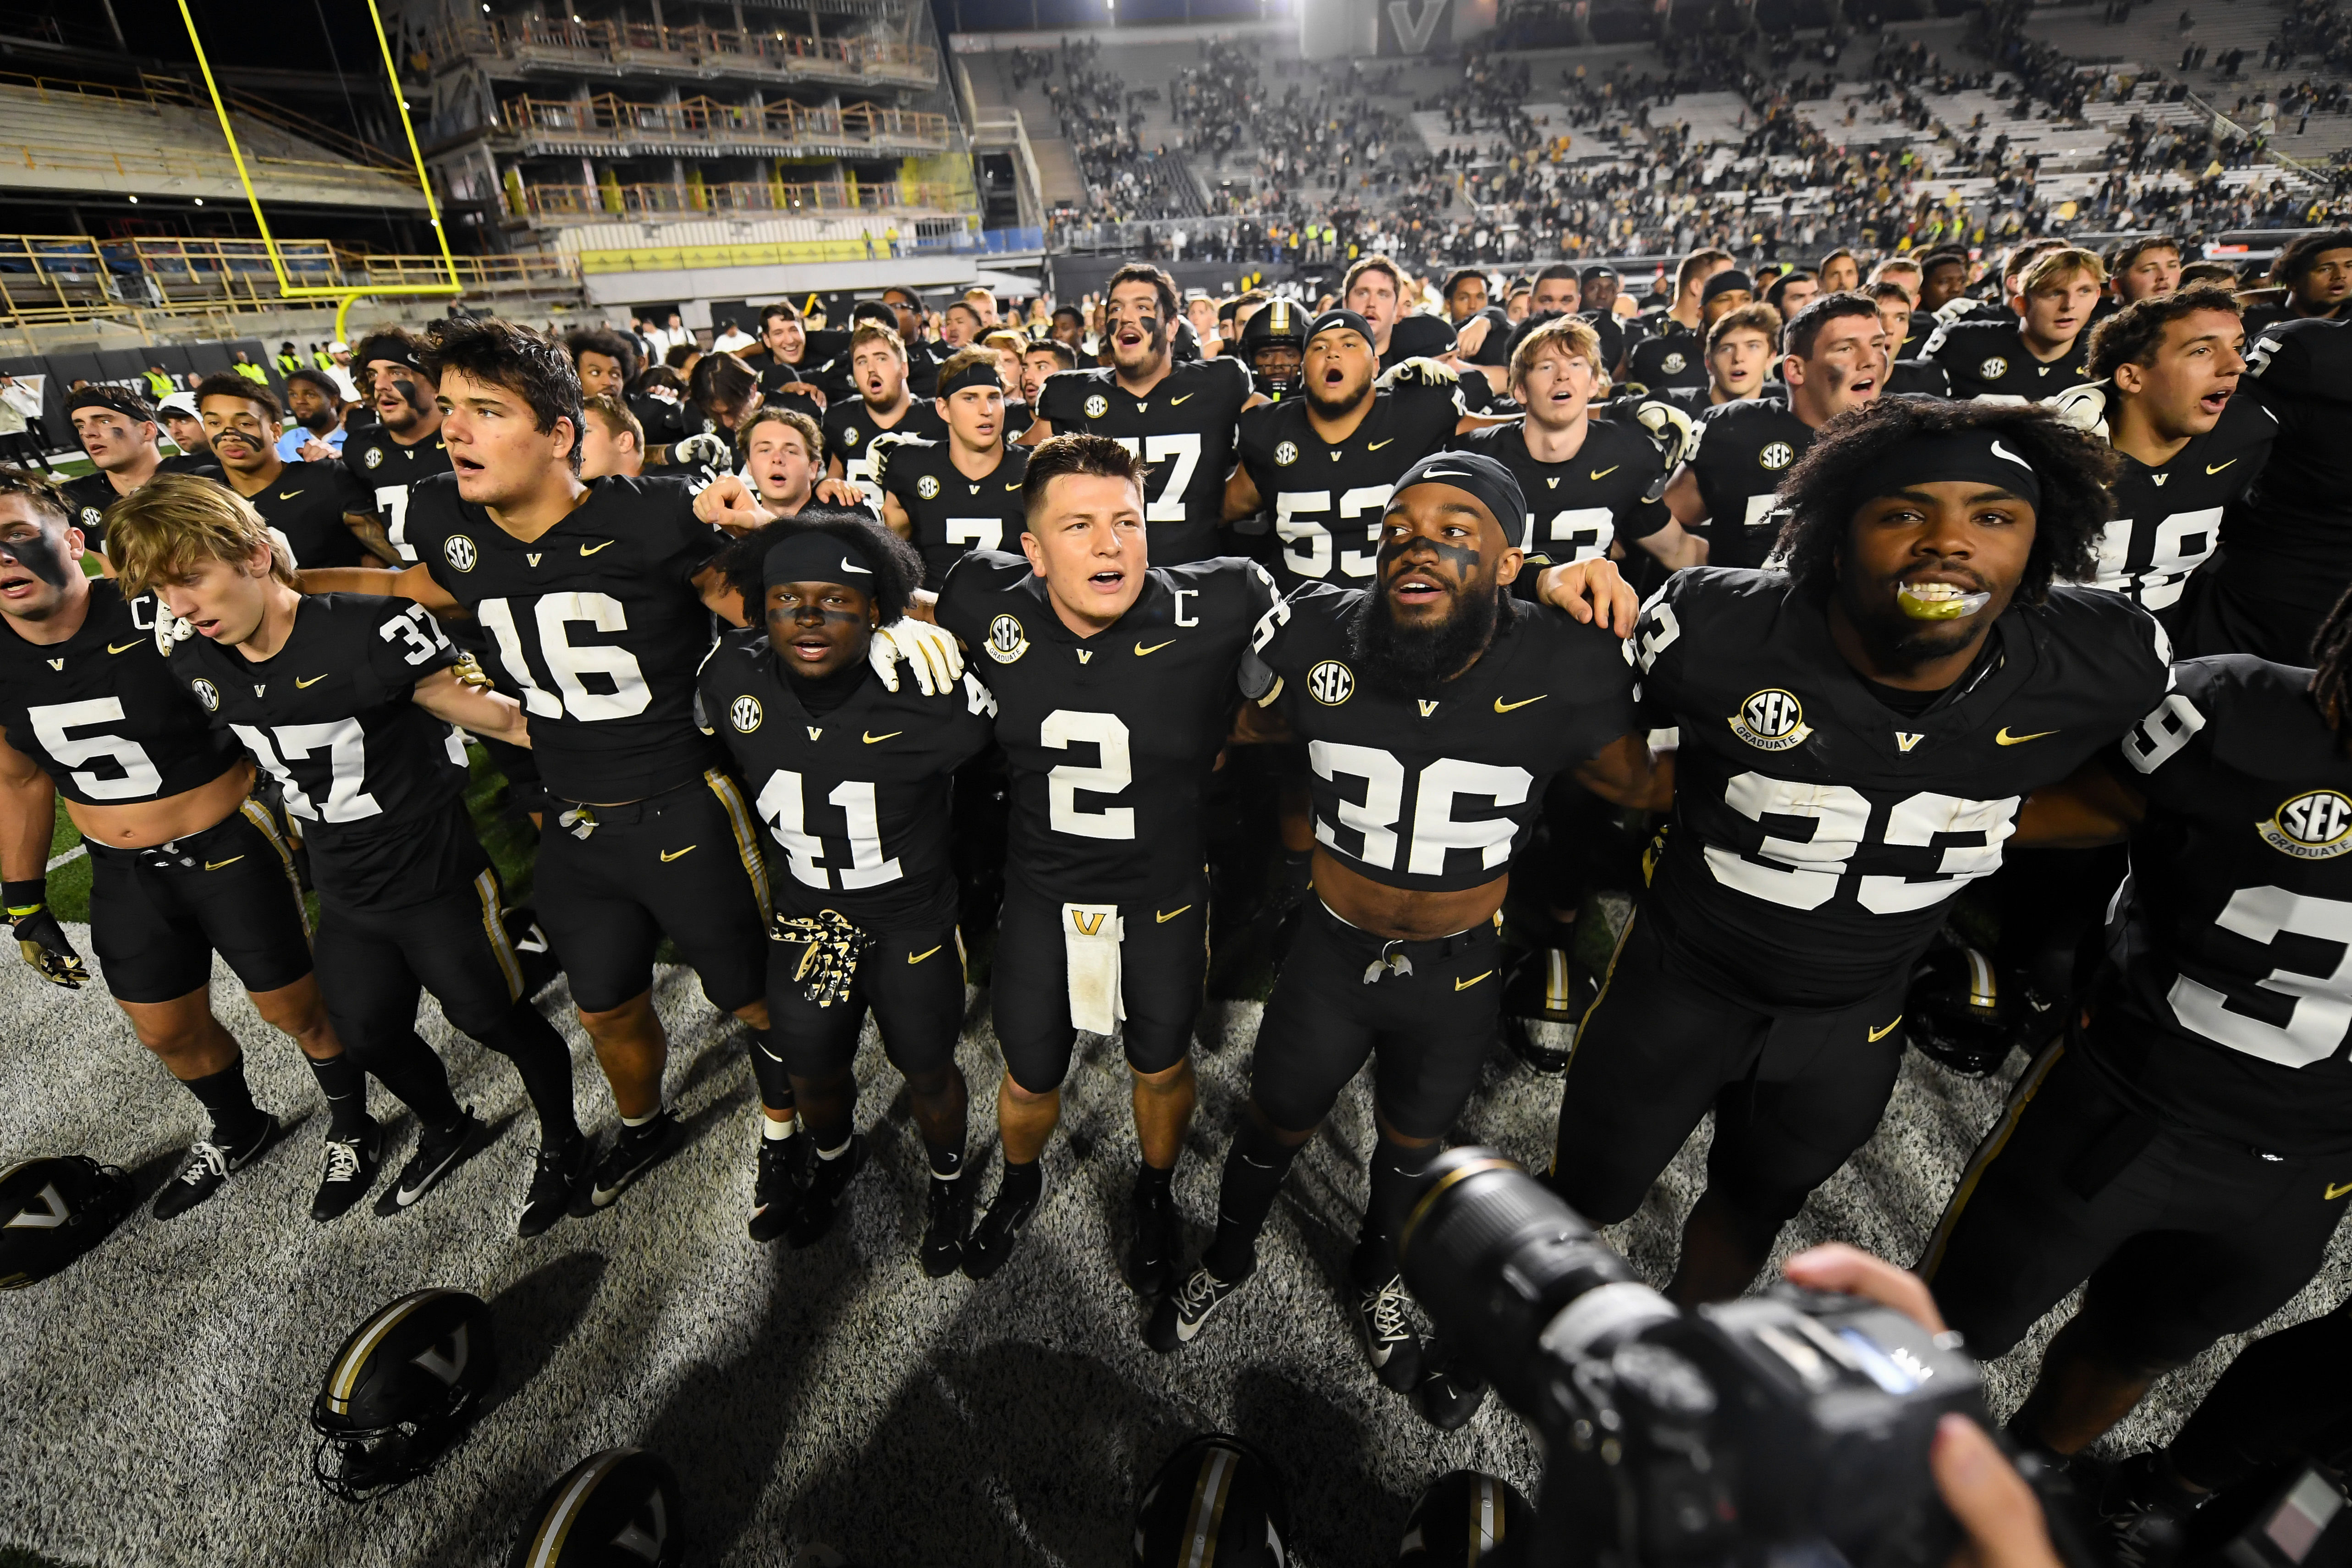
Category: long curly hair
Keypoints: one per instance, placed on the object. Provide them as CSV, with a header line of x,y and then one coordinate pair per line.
x,y
1846,466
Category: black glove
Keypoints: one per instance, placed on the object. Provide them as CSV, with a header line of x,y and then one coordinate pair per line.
x,y
39,937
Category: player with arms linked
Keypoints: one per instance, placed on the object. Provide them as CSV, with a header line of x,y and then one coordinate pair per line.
x,y
2188,1150
347,701
1434,706
406,444
1856,734
962,492
851,780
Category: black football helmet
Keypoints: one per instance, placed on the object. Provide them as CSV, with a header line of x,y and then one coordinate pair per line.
x,y
1954,1013
619,1508
1273,346
1217,1499
402,1391
1461,1520
52,1210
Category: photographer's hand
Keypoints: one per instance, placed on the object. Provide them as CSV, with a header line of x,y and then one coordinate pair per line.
x,y
1834,1266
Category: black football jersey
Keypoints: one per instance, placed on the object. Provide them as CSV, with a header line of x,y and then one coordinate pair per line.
x,y
2290,536
1326,501
306,504
375,780
390,472
89,497
1576,509
1435,790
850,433
856,797
952,512
2168,519
1818,833
1656,364
1610,330
102,714
1183,428
2232,950
1739,454
1110,740
1917,378
1988,362
595,626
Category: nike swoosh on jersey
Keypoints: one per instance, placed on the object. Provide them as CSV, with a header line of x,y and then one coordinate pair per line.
x,y
1164,919
1376,445
1878,1034
2217,467
1502,706
1174,401
302,685
1140,650
124,648
592,550
1604,473
918,957
871,737
215,865
2334,1192
1461,985
2002,738
670,855
290,494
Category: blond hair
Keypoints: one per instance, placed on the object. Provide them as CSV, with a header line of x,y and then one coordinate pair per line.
x,y
617,418
872,332
812,435
1568,332
176,522
2057,266
1002,340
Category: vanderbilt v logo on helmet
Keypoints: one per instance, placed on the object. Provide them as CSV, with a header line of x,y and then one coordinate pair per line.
x,y
402,1392
52,1210
618,1509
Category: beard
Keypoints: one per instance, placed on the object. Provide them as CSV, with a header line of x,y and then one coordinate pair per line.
x,y
1403,660
1341,408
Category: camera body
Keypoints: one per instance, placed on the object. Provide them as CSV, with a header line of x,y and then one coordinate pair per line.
x,y
1674,1437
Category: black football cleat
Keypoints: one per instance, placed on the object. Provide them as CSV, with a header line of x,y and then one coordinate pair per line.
x,y
635,1151
778,1187
1152,1251
1178,1317
999,1231
351,1165
811,1216
1391,1343
2143,1516
208,1165
556,1177
438,1152
944,1230
1450,1392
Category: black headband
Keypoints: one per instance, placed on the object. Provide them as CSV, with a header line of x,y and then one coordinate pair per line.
x,y
1340,320
1970,454
1724,282
815,555
1487,480
121,402
391,351
969,376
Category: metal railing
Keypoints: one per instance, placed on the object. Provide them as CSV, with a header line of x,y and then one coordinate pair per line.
x,y
51,278
608,117
67,151
698,198
693,49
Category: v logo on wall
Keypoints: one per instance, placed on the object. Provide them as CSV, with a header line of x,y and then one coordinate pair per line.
x,y
1410,27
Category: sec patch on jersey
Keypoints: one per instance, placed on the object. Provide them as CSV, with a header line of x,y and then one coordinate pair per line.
x,y
1007,639
1771,720
2315,826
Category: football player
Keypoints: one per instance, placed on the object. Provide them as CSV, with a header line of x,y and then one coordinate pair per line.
x,y
605,360
598,599
852,780
781,452
1177,417
922,356
1414,696
1678,359
1856,734
355,728
1681,317
788,358
177,414
2144,268
1324,461
1906,378
963,493
1039,360
2168,367
184,861
2182,1151
613,441
1832,358
1273,345
2288,555
404,446
1791,291
320,512
2039,354
117,431
1738,365
878,360
2315,270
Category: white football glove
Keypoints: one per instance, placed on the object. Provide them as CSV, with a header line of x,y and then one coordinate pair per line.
x,y
1422,368
705,449
1669,430
929,650
1952,309
170,628
2083,407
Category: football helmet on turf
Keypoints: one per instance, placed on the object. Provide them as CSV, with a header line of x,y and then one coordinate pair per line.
x,y
52,1210
402,1391
1953,1010
1218,1499
1460,1520
619,1508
